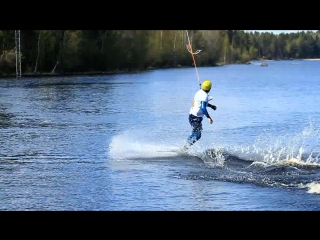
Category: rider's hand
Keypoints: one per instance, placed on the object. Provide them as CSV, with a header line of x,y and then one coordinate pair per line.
x,y
213,107
210,120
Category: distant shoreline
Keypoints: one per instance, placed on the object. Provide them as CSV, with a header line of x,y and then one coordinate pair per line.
x,y
93,73
73,74
102,73
39,75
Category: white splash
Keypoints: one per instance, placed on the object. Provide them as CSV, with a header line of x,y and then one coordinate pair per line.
x,y
314,187
300,148
130,145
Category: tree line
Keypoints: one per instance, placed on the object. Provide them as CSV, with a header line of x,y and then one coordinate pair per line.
x,y
80,51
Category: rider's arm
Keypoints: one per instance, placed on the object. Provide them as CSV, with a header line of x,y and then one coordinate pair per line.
x,y
204,108
212,106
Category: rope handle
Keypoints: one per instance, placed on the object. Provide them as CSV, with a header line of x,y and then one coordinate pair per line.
x,y
189,48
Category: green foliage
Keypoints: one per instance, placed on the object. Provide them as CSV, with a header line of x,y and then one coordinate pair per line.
x,y
136,50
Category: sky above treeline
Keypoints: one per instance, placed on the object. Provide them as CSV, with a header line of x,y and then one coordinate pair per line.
x,y
279,31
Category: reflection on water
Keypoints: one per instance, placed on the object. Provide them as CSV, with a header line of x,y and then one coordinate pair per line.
x,y
112,142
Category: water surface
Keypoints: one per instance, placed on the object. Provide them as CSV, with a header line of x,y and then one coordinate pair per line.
x,y
110,142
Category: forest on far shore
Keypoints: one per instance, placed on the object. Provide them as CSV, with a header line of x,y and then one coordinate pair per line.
x,y
89,51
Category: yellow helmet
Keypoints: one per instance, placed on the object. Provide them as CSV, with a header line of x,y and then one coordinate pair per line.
x,y
206,85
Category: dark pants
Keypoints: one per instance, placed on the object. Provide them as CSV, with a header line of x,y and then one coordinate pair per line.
x,y
196,125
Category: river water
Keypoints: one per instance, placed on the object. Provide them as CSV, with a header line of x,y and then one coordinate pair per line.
x,y
112,142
